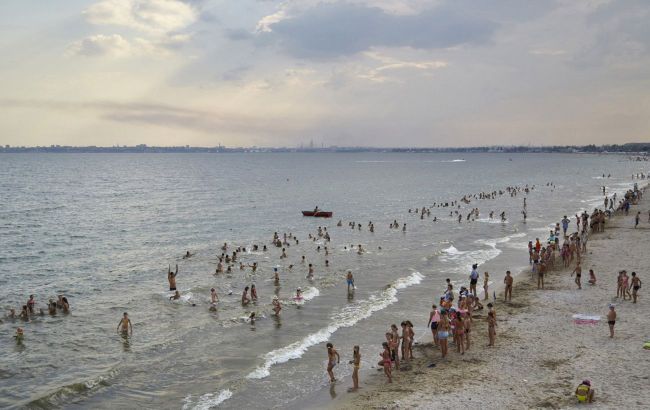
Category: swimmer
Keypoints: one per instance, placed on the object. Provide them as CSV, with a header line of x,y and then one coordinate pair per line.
x,y
276,276
277,306
310,274
31,303
214,298
333,359
299,293
252,318
244,297
171,277
125,324
187,255
51,307
12,313
176,296
350,281
253,293
20,335
584,392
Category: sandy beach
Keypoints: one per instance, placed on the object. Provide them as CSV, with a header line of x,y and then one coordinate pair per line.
x,y
541,355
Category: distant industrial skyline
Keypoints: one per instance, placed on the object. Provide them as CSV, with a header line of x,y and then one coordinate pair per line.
x,y
281,73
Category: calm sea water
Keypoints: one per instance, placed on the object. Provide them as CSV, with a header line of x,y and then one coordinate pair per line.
x,y
102,229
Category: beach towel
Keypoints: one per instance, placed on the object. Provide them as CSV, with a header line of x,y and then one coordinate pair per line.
x,y
580,319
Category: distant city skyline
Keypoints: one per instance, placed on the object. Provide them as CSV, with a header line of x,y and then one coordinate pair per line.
x,y
320,73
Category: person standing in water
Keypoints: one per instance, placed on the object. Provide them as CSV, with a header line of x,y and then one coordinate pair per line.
x,y
125,324
244,297
473,279
333,359
350,280
277,306
171,277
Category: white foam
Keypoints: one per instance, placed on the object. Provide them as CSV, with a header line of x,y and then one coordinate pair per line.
x,y
348,316
207,401
453,160
463,260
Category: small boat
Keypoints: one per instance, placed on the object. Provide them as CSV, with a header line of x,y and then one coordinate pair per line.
x,y
318,214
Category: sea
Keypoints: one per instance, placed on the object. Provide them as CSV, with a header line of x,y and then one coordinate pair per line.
x,y
103,229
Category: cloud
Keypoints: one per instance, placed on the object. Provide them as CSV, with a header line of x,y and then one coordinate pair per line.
x,y
101,45
116,46
330,30
148,16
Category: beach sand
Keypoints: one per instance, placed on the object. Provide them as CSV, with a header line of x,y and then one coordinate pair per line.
x,y
541,355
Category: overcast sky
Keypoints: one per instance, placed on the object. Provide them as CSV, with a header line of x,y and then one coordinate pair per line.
x,y
354,72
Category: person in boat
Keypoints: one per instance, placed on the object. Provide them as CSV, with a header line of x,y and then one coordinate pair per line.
x,y
316,209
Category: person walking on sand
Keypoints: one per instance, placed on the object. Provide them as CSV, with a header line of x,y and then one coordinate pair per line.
x,y
611,319
637,219
541,270
356,362
508,280
635,286
578,272
333,359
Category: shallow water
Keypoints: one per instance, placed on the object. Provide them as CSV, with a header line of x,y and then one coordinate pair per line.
x,y
102,229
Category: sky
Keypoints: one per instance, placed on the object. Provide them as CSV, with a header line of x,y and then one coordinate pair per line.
x,y
384,73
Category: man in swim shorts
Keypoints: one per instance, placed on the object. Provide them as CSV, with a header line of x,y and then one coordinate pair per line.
x,y
508,290
125,324
171,277
611,319
350,280
635,286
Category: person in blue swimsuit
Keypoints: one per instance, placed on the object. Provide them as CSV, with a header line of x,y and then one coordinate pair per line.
x,y
350,280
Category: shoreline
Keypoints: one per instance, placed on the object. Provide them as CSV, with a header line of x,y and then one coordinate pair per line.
x,y
540,355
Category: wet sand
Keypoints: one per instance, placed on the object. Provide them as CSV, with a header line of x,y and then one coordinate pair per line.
x,y
541,355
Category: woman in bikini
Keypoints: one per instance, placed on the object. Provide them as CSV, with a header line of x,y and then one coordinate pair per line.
x,y
443,332
460,334
385,361
356,362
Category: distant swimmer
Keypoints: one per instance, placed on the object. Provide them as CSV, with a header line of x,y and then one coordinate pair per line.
x,y
20,335
276,276
360,250
51,307
188,255
277,306
310,273
175,296
333,359
298,294
253,293
245,300
350,280
224,247
125,325
171,277
214,298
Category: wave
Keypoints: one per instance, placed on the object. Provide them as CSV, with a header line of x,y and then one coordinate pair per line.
x,y
67,394
207,401
308,294
454,160
463,260
346,317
